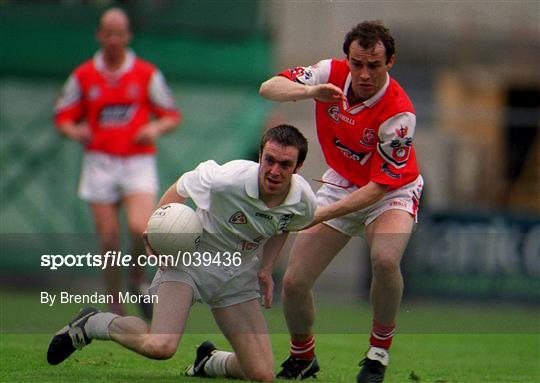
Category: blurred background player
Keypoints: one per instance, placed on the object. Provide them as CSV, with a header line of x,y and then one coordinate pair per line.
x,y
365,125
244,207
117,105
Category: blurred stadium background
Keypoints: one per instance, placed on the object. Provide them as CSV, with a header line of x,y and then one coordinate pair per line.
x,y
471,69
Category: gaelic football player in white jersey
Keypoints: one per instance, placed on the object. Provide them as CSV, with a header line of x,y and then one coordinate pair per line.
x,y
246,208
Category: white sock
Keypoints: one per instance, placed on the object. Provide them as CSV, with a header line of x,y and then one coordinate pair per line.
x,y
217,364
97,326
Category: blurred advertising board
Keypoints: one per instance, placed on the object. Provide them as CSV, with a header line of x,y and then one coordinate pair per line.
x,y
475,256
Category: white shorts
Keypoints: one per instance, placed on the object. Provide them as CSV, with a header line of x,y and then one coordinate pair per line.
x,y
405,198
106,178
217,286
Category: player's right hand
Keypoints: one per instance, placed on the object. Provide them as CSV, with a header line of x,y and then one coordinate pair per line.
x,y
266,283
326,93
150,251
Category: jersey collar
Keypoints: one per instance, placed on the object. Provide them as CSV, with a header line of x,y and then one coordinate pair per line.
x,y
252,181
128,63
252,187
370,101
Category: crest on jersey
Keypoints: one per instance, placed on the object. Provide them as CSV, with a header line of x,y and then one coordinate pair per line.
x,y
333,112
94,92
284,221
398,150
301,72
369,137
402,131
238,218
133,91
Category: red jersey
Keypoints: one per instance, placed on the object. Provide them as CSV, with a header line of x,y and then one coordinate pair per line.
x,y
369,141
115,104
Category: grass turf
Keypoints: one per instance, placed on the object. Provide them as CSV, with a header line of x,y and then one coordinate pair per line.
x,y
458,343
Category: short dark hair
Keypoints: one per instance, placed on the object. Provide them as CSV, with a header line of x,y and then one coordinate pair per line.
x,y
368,33
286,135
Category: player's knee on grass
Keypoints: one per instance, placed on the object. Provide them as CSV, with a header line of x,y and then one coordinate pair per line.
x,y
259,373
159,347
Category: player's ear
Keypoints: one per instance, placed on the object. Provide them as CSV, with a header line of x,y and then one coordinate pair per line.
x,y
298,167
390,62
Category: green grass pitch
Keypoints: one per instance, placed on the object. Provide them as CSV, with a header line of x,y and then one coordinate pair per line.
x,y
443,343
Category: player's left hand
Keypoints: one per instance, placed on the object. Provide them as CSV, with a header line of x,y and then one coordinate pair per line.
x,y
148,134
319,217
266,282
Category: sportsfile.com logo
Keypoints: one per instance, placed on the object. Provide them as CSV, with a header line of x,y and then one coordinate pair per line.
x,y
118,259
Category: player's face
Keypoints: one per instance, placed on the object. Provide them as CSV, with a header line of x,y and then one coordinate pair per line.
x,y
114,35
277,165
368,69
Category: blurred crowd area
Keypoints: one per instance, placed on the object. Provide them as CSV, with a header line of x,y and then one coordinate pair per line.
x,y
470,68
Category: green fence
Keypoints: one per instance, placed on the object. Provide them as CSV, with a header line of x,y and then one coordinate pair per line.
x,y
219,41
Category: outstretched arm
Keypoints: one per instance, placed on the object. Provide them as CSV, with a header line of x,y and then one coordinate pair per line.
x,y
357,200
281,89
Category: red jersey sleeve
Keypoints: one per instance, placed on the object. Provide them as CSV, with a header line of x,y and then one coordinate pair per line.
x,y
311,75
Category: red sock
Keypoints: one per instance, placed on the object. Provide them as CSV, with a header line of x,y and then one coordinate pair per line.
x,y
304,349
381,335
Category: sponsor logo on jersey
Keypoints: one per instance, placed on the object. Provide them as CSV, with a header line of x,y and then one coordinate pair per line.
x,y
390,173
337,116
118,114
369,137
263,215
398,203
349,153
238,218
284,221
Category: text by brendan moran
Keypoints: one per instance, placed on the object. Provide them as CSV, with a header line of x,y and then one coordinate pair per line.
x,y
123,297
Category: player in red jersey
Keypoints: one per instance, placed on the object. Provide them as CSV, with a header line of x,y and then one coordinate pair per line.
x,y
117,105
365,125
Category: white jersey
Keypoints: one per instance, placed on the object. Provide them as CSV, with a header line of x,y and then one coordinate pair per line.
x,y
232,215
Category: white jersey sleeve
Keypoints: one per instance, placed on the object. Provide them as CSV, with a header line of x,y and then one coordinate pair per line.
x,y
159,91
197,184
396,137
312,75
71,94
